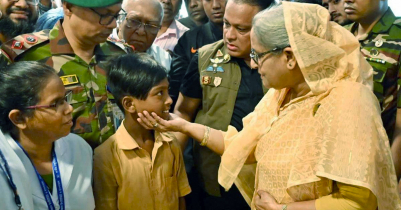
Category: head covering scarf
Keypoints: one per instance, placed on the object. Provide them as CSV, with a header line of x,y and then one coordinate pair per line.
x,y
353,149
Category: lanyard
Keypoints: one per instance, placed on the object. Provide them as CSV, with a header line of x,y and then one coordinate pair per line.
x,y
6,169
45,189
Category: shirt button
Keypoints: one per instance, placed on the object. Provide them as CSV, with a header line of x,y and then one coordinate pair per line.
x,y
374,52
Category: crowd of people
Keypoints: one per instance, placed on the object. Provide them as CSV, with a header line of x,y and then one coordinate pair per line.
x,y
244,104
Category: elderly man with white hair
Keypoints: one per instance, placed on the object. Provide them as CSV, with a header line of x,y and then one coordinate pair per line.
x,y
139,27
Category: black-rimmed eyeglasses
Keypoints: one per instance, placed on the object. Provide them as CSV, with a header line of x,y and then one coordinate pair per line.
x,y
106,19
136,24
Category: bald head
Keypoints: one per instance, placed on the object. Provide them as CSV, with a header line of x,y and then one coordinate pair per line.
x,y
153,6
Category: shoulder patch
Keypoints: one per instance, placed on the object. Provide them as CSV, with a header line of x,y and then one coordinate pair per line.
x,y
20,44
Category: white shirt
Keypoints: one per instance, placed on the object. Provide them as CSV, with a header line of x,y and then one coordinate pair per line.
x,y
19,176
160,55
75,161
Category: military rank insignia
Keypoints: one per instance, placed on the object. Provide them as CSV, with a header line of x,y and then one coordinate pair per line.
x,y
206,80
31,40
69,79
219,53
226,57
17,45
379,43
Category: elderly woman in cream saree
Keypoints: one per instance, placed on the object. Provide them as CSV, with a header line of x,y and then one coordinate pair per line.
x,y
316,137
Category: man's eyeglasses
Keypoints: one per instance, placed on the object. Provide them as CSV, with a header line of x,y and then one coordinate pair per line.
x,y
256,56
136,24
30,2
106,19
67,99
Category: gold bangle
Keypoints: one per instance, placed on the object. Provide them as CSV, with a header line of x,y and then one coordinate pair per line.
x,y
205,136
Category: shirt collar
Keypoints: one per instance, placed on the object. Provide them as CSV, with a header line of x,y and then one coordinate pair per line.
x,y
382,26
126,142
385,22
172,29
176,29
58,41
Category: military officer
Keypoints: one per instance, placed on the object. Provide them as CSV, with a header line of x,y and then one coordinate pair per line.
x,y
379,33
77,48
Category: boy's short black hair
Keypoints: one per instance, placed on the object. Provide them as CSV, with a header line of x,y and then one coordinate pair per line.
x,y
134,75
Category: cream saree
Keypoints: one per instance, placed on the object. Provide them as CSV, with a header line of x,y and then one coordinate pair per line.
x,y
334,133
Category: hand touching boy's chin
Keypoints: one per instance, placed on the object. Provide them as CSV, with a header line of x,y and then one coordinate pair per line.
x,y
165,114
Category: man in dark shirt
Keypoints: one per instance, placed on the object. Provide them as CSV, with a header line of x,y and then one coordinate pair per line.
x,y
183,52
219,89
196,14
192,40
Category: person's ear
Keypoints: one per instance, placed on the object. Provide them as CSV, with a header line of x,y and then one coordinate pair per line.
x,y
67,9
17,118
128,104
290,58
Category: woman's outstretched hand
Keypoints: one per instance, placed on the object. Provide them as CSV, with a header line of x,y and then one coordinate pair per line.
x,y
154,122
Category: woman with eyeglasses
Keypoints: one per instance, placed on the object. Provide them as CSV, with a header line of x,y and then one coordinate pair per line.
x,y
317,136
36,119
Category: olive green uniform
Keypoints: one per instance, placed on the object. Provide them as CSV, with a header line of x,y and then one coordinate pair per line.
x,y
382,49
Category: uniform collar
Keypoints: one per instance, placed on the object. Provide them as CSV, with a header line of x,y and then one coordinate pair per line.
x,y
385,23
382,26
58,41
126,142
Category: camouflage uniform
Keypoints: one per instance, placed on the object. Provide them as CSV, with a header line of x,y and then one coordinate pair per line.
x,y
382,49
93,104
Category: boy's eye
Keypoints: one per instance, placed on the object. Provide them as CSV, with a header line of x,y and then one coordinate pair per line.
x,y
160,93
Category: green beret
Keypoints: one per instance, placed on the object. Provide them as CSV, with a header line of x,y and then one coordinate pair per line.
x,y
93,3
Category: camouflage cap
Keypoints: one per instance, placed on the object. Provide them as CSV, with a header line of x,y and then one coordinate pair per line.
x,y
93,3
